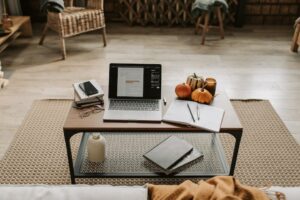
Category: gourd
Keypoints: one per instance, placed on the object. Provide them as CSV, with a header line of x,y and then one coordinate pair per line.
x,y
195,81
202,95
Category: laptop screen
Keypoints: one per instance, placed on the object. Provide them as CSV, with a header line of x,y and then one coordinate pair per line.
x,y
138,81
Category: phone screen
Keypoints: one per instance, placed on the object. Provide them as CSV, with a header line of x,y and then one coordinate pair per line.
x,y
88,88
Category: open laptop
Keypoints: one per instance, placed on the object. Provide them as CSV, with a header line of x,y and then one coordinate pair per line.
x,y
134,93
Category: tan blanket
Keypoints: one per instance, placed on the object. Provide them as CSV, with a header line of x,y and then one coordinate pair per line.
x,y
217,188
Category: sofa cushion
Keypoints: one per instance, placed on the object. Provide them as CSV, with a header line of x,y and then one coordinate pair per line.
x,y
291,193
74,192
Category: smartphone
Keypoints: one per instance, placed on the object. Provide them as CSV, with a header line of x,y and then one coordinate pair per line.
x,y
88,88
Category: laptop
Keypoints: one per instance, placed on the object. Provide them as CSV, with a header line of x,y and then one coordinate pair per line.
x,y
134,93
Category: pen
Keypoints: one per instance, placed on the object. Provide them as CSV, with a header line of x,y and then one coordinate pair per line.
x,y
198,112
190,111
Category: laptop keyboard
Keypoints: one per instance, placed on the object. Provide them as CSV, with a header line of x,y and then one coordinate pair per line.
x,y
142,105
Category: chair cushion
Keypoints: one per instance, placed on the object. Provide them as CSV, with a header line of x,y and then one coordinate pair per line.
x,y
74,192
52,6
200,6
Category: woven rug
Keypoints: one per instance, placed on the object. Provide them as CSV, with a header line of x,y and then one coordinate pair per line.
x,y
268,153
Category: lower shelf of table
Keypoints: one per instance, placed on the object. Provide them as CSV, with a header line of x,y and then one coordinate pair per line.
x,y
124,156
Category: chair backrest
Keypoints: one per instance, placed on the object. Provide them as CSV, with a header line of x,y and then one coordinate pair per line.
x,y
96,4
68,3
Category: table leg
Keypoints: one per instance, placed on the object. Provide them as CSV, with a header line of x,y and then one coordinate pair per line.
x,y
26,29
213,138
68,136
238,137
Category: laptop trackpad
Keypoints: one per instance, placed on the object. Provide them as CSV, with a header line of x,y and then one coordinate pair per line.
x,y
111,115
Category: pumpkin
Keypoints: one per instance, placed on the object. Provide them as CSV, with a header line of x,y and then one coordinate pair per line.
x,y
183,91
202,95
195,81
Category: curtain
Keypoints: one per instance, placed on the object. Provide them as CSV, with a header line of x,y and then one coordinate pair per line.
x,y
1,9
14,7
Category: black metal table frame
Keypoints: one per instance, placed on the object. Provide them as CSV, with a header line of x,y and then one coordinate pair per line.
x,y
237,134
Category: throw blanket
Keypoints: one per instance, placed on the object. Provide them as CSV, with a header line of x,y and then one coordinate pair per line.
x,y
217,188
200,6
52,6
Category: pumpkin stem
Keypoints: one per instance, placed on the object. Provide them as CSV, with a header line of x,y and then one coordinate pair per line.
x,y
195,75
204,85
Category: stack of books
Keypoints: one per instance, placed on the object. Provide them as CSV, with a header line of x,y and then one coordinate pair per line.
x,y
3,81
82,100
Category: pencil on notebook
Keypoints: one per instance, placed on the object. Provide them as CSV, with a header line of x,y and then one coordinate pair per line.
x,y
188,105
198,112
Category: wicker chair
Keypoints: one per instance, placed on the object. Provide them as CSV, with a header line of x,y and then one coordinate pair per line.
x,y
75,20
296,38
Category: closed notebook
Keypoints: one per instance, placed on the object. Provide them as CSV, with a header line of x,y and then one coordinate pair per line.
x,y
170,151
192,156
210,117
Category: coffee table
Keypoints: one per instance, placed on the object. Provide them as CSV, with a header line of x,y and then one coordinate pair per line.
x,y
127,142
21,26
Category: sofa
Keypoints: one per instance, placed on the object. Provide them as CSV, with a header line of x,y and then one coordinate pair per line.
x,y
103,192
72,192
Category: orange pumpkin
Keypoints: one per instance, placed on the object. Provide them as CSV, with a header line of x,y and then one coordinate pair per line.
x,y
202,96
183,91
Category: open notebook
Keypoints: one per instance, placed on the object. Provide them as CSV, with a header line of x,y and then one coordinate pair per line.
x,y
210,117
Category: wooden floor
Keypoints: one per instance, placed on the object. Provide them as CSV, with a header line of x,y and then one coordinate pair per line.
x,y
253,62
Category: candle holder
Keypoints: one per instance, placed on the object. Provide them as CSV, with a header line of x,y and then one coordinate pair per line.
x,y
7,22
211,85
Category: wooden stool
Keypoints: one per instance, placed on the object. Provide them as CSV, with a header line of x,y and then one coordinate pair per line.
x,y
205,26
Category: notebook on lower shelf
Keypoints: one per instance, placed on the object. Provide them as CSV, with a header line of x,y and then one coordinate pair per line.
x,y
210,117
172,153
193,156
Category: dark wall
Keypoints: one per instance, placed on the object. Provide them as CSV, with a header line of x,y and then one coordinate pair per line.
x,y
32,8
256,11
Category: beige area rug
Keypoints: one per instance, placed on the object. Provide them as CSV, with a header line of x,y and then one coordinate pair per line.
x,y
268,153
